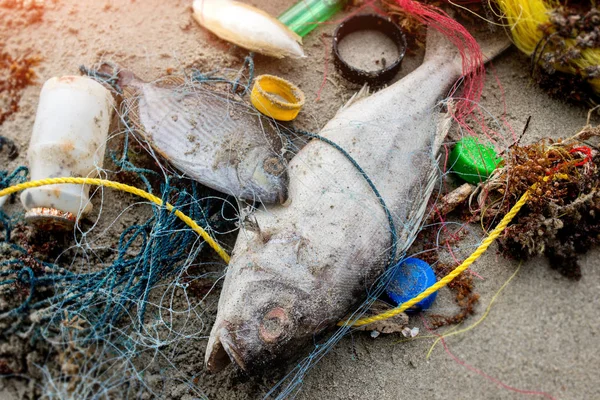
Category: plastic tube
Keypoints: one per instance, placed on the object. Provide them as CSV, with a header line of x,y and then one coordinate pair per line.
x,y
306,15
68,140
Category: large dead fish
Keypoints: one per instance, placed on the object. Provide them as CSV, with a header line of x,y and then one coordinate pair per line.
x,y
300,267
211,135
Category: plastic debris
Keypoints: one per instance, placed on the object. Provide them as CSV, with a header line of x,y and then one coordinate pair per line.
x,y
410,332
304,16
563,41
276,98
412,277
473,161
369,22
68,139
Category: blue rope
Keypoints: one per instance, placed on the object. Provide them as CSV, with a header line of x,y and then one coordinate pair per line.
x,y
162,246
394,246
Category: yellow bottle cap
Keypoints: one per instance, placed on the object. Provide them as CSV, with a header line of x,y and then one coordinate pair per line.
x,y
276,98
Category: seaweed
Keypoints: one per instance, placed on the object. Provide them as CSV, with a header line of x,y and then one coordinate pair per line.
x,y
465,297
561,219
462,286
560,233
571,30
16,73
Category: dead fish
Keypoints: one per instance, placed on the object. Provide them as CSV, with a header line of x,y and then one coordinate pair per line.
x,y
307,263
248,27
211,135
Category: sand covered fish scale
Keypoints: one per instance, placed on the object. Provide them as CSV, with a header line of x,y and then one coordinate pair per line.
x,y
211,135
164,109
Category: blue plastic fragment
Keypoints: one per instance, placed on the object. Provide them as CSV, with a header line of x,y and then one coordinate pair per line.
x,y
412,276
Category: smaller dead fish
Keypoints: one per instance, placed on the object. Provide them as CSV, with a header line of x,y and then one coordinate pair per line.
x,y
210,134
248,27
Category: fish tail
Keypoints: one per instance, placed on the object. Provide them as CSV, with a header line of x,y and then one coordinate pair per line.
x,y
466,56
439,48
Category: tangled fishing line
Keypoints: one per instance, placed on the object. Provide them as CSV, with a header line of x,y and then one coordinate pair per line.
x,y
107,310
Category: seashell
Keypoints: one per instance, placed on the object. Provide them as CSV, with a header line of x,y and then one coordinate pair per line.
x,y
211,135
248,27
68,140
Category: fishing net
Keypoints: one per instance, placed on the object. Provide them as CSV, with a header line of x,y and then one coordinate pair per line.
x,y
101,305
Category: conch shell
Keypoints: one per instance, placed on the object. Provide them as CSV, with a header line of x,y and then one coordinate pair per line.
x,y
248,27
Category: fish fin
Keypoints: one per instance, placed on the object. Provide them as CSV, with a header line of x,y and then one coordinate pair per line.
x,y
363,93
444,124
417,214
171,81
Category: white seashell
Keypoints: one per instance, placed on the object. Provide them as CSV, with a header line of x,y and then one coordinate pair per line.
x,y
248,27
68,139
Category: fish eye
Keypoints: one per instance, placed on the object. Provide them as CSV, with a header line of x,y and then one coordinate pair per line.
x,y
275,325
274,166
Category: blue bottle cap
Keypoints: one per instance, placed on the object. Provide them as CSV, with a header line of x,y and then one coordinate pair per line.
x,y
412,276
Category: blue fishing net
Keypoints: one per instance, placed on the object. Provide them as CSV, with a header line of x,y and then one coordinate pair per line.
x,y
7,179
98,311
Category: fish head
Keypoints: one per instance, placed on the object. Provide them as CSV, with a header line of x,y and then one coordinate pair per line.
x,y
263,176
261,329
266,315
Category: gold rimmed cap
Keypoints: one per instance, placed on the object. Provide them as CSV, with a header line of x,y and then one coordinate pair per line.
x,y
47,218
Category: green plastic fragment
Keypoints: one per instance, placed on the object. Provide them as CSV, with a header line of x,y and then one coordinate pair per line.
x,y
306,15
474,162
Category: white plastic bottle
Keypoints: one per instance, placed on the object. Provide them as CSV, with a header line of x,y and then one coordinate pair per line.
x,y
68,140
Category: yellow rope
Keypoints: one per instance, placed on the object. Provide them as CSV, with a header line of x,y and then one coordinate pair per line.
x,y
125,188
448,278
221,252
525,18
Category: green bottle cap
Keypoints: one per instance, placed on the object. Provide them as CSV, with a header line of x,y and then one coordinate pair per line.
x,y
474,162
